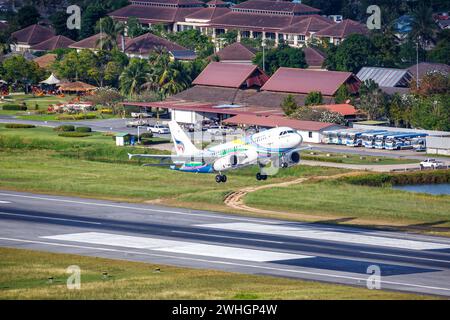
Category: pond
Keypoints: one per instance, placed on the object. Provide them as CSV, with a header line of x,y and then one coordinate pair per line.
x,y
443,188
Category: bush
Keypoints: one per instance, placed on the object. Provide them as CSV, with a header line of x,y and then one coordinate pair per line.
x,y
83,129
65,128
19,126
381,179
146,135
74,134
14,107
79,116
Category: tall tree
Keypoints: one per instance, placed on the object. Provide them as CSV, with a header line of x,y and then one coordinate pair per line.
x,y
423,25
134,28
281,56
133,77
27,15
111,31
89,18
314,98
372,100
289,105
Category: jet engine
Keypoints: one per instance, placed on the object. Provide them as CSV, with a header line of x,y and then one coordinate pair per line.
x,y
238,159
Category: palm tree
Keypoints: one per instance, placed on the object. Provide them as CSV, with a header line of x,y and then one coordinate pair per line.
x,y
110,31
133,77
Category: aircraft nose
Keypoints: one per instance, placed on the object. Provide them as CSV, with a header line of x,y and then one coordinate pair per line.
x,y
297,139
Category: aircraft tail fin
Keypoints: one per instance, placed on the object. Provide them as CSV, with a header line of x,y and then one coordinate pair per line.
x,y
183,145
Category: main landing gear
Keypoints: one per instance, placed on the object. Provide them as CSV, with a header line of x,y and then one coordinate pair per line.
x,y
260,176
221,178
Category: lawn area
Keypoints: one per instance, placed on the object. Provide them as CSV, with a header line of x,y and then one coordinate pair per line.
x,y
348,158
24,275
344,200
42,104
38,159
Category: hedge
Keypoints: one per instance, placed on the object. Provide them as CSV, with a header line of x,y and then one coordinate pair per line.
x,y
74,134
14,107
65,128
146,135
83,129
19,126
80,116
381,179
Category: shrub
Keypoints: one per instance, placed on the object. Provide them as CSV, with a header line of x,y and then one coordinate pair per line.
x,y
146,135
74,134
19,126
14,107
79,116
83,129
65,128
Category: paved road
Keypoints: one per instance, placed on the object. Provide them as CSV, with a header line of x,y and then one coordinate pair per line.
x,y
201,239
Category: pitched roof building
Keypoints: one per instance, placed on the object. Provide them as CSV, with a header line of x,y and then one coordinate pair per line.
x,y
314,57
236,53
29,36
301,81
336,33
56,42
231,75
386,77
46,60
425,67
141,46
91,43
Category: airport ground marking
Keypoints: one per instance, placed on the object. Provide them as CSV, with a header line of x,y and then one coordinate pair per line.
x,y
48,218
229,263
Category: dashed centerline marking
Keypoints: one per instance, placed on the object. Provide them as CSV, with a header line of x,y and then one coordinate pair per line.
x,y
47,218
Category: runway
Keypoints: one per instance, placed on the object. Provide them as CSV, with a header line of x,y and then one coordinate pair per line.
x,y
202,239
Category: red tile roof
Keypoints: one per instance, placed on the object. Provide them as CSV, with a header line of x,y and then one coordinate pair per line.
x,y
308,24
236,52
305,81
154,14
344,109
217,3
270,5
53,43
314,57
33,34
92,42
45,60
343,29
146,43
425,67
231,75
208,13
273,121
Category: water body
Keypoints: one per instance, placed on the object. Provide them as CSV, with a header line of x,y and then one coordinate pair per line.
x,y
443,188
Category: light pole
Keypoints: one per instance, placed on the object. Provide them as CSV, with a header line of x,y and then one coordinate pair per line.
x,y
263,44
139,136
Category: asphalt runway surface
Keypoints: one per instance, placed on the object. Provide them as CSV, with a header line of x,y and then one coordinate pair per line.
x,y
202,239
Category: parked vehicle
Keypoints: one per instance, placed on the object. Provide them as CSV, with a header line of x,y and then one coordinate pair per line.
x,y
159,128
142,114
136,123
432,164
401,141
219,130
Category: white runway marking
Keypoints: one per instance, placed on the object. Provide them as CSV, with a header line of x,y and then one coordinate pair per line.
x,y
306,233
46,218
174,246
226,237
357,280
5,202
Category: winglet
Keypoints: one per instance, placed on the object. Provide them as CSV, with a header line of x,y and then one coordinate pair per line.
x,y
130,156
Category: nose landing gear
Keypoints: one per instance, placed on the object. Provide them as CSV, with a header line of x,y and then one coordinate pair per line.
x,y
221,178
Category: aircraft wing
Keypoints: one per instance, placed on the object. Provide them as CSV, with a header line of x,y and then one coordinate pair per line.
x,y
174,157
301,148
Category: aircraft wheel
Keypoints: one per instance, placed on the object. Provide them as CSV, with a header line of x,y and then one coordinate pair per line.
x,y
224,178
264,177
218,178
284,165
258,176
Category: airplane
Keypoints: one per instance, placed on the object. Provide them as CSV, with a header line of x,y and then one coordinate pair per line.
x,y
279,145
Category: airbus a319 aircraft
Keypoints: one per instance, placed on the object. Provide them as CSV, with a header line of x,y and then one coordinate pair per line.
x,y
280,145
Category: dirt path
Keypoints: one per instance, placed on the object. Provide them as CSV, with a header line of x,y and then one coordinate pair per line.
x,y
235,200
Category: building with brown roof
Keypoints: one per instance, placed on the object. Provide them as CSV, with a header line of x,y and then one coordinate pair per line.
x,y
25,38
200,19
142,46
56,42
423,68
302,81
46,60
314,57
298,34
231,75
338,32
236,53
91,43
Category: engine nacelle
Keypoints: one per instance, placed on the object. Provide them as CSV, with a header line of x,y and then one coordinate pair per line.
x,y
240,159
294,157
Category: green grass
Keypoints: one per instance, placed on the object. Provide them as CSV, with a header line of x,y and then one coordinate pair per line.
x,y
354,158
352,201
24,275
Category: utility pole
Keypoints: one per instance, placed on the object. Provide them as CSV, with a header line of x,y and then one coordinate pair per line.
x,y
417,64
263,44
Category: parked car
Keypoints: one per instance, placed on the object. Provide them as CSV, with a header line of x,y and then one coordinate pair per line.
x,y
159,128
219,130
432,164
136,123
142,115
